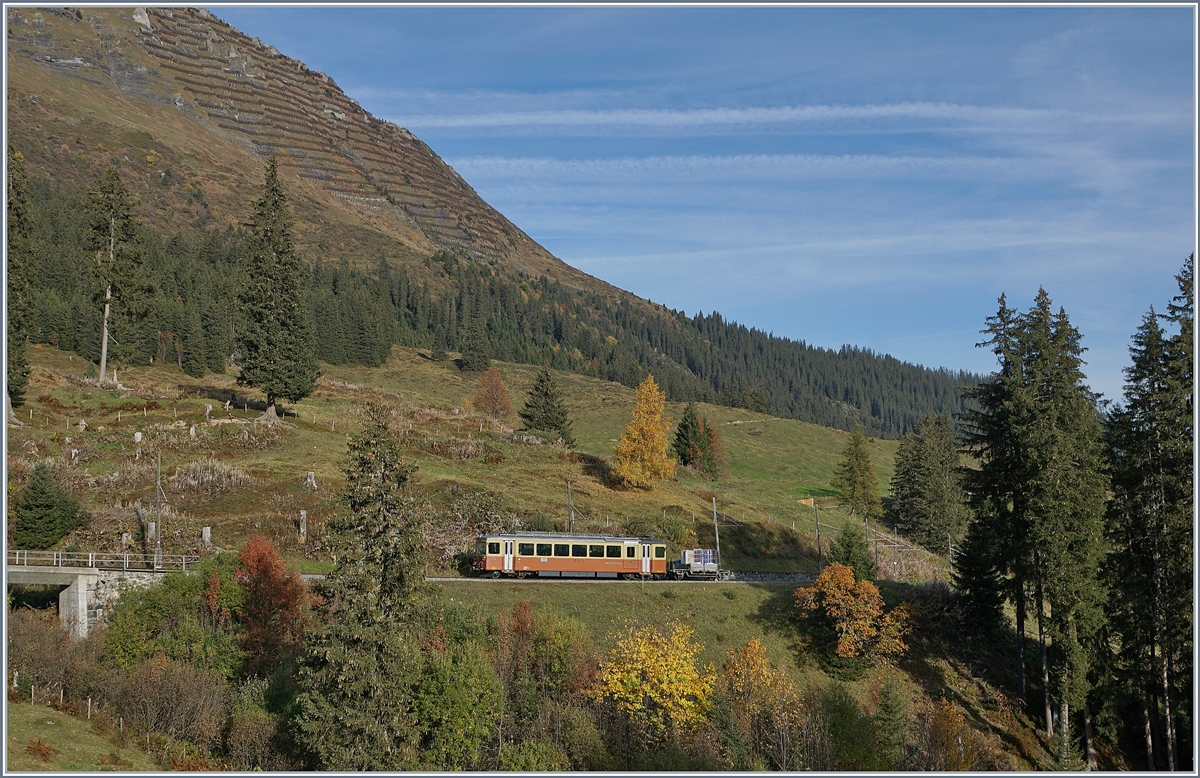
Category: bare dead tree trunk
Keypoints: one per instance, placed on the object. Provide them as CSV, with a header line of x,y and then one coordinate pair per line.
x,y
1149,729
1089,738
1021,641
1064,724
13,421
1045,665
104,333
1168,719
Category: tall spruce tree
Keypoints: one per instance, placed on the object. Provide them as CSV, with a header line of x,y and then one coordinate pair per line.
x,y
1042,488
19,269
928,501
356,707
855,478
115,235
475,353
1150,523
688,444
850,549
275,340
545,410
978,581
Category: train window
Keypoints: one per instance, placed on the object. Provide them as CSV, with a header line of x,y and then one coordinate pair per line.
x,y
579,550
596,551
525,549
562,549
543,549
493,548
660,552
613,552
481,546
629,551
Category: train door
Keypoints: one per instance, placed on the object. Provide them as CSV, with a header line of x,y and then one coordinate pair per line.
x,y
645,559
508,556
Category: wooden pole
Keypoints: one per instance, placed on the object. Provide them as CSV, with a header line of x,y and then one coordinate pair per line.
x,y
820,558
571,506
716,532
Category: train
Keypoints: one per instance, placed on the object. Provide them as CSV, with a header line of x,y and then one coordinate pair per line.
x,y
584,555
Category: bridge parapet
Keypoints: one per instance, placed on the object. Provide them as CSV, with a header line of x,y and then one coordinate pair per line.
x,y
96,560
94,581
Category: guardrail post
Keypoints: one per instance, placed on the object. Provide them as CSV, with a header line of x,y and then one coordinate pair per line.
x,y
91,560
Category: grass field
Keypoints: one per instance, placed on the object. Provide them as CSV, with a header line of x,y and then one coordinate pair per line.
x,y
724,615
73,746
772,462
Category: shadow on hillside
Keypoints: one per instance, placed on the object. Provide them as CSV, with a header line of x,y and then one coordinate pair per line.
x,y
940,660
237,402
595,467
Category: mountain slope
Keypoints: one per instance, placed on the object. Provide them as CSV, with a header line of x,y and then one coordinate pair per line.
x,y
188,108
183,86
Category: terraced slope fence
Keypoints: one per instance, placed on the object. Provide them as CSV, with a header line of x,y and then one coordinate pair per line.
x,y
280,107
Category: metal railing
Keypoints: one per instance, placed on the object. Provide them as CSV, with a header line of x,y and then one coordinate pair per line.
x,y
155,563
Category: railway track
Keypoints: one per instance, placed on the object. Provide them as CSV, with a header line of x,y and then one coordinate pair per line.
x,y
795,578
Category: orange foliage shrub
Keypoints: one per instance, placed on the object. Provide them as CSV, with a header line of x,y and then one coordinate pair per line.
x,y
492,396
855,610
275,606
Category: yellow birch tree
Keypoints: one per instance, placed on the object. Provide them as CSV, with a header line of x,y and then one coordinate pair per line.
x,y
641,453
652,676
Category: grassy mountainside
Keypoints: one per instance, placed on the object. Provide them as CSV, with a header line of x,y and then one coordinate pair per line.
x,y
255,478
68,743
247,480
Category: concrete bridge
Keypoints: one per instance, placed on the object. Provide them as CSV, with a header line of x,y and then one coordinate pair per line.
x,y
94,582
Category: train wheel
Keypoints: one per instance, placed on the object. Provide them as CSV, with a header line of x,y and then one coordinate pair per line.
x,y
522,574
495,574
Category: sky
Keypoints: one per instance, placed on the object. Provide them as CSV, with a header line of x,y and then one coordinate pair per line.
x,y
867,176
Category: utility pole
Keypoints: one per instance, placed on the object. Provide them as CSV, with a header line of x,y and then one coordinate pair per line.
x,y
716,532
158,496
571,505
820,557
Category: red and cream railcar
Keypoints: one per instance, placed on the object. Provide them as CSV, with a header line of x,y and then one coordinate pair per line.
x,y
570,555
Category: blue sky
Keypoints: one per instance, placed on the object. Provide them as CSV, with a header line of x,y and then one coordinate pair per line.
x,y
839,175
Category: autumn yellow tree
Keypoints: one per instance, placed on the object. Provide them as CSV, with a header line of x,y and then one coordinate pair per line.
x,y
492,397
641,453
762,701
652,675
854,610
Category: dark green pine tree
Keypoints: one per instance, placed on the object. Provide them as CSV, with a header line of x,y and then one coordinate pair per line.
x,y
217,338
1150,521
19,268
355,709
275,340
194,350
1040,492
855,478
689,438
123,291
890,724
850,549
476,356
44,512
439,344
545,410
978,582
997,499
928,501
